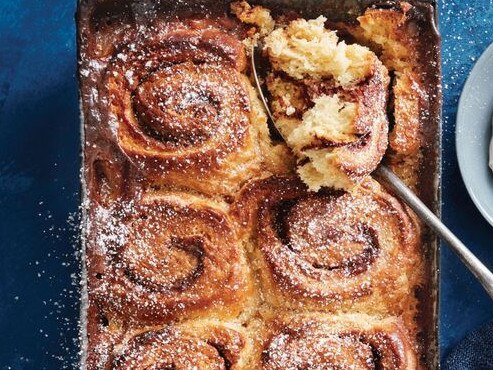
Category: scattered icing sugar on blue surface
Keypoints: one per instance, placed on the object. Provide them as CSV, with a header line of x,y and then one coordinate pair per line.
x,y
466,32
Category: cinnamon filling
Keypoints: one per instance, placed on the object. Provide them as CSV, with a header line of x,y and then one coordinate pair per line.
x,y
308,229
172,349
172,266
311,348
185,104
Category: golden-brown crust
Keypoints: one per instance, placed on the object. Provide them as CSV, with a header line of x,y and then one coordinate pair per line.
x,y
332,251
175,347
102,335
147,97
197,344
170,121
107,174
170,255
340,342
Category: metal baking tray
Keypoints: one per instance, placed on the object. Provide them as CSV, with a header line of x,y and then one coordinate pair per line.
x,y
344,10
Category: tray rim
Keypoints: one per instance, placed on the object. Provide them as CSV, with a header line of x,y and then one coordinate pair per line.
x,y
436,196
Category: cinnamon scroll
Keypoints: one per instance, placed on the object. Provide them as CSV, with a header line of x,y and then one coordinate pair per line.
x,y
336,342
200,344
178,105
330,250
167,256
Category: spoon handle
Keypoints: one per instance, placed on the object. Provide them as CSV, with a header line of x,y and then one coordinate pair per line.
x,y
482,273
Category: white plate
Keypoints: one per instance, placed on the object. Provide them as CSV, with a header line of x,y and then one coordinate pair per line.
x,y
473,134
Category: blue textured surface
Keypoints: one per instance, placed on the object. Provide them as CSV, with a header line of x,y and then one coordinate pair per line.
x,y
467,30
39,169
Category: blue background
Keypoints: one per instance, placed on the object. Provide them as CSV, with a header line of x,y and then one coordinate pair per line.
x,y
39,182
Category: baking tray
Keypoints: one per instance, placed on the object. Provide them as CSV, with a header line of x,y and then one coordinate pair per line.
x,y
335,10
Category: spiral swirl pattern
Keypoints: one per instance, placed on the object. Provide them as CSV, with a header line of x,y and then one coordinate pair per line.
x,y
177,103
182,348
333,249
181,256
355,342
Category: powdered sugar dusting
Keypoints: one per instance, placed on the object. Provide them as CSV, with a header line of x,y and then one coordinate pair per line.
x,y
170,100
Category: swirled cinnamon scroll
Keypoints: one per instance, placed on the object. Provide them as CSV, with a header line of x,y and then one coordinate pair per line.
x,y
335,342
177,103
331,250
167,256
200,344
329,103
185,347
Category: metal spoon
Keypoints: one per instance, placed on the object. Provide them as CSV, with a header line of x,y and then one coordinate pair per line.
x,y
390,180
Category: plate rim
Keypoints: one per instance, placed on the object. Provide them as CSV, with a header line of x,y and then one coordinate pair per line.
x,y
486,54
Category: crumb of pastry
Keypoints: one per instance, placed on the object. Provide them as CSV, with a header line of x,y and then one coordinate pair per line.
x,y
330,120
306,49
382,29
256,15
277,158
333,96
287,97
323,169
395,37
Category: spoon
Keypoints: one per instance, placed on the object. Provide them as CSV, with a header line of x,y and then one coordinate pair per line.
x,y
393,182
